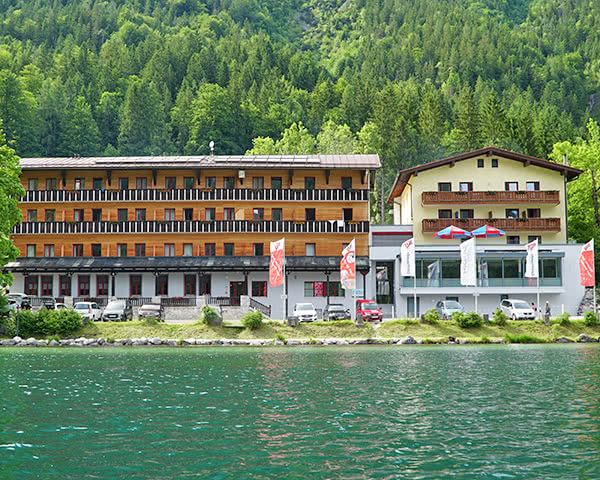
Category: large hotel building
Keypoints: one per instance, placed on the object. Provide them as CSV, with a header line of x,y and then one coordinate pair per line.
x,y
183,227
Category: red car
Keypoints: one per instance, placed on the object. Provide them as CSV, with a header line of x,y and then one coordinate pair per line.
x,y
369,311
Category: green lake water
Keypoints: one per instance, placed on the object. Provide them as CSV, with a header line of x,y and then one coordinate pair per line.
x,y
498,412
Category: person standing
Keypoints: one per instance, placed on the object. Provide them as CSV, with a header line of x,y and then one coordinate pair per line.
x,y
547,313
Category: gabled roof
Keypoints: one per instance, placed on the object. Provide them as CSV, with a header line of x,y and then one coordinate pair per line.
x,y
404,175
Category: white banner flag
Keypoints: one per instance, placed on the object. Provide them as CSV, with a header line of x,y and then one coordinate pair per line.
x,y
531,265
348,267
468,263
407,258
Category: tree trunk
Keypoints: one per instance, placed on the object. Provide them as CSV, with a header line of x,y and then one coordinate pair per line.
x,y
595,197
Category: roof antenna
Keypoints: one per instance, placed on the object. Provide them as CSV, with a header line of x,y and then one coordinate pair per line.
x,y
212,148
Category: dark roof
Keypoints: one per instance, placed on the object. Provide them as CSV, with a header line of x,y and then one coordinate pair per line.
x,y
404,175
174,264
370,161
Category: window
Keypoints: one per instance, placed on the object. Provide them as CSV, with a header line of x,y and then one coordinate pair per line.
x,y
140,214
258,249
258,213
384,288
48,250
31,250
533,238
188,250
78,249
141,183
512,213
162,285
78,215
31,285
258,182
445,213
97,184
465,186
169,214
32,184
209,214
64,286
96,214
534,213
228,249
346,183
276,183
79,183
480,163
494,163
102,285
229,213
123,183
140,249
169,249
84,285
122,215
211,182
310,250
96,250
335,289
229,182
170,183
189,284
50,215
188,183
532,186
513,239
347,214
188,214
122,250
204,285
276,214
209,249
511,186
135,285
444,187
309,214
309,183
51,184
259,288
321,289
466,213
32,215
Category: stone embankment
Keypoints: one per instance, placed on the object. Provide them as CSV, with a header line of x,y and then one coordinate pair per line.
x,y
188,342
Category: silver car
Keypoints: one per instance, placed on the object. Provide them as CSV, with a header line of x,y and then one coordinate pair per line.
x,y
447,307
517,309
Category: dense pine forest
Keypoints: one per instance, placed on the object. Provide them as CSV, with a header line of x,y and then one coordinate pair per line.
x,y
413,80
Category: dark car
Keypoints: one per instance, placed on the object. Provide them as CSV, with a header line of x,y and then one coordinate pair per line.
x,y
48,302
336,311
118,311
152,310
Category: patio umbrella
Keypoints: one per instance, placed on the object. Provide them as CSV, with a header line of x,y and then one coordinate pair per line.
x,y
486,231
453,232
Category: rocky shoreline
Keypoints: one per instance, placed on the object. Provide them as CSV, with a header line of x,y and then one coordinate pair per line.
x,y
190,342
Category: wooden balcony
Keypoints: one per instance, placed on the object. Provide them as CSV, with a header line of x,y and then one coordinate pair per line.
x,y
195,195
506,224
546,197
192,226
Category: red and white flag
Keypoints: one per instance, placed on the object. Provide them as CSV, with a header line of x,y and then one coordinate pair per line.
x,y
348,267
276,263
407,258
532,269
587,271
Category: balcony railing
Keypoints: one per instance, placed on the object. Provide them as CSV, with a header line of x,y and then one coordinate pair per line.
x,y
506,224
192,226
195,195
550,197
261,307
491,282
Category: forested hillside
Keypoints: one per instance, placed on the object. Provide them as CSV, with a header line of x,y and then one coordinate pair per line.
x,y
410,79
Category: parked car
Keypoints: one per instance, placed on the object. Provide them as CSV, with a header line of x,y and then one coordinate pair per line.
x,y
48,302
368,310
447,307
88,310
60,306
335,311
152,310
305,312
117,311
19,301
516,309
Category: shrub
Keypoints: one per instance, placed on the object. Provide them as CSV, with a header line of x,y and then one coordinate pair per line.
x,y
563,318
467,320
253,320
60,322
209,315
484,340
8,326
150,321
500,318
431,316
281,338
29,323
590,319
522,339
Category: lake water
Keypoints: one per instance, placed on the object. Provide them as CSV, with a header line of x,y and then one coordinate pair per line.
x,y
500,412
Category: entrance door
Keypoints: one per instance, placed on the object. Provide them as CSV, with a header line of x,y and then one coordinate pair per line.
x,y
236,290
410,306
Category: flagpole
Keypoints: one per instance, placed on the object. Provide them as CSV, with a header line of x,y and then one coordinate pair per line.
x,y
415,293
475,290
284,285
